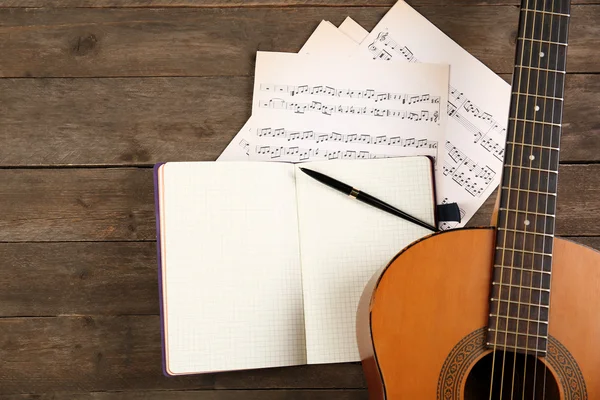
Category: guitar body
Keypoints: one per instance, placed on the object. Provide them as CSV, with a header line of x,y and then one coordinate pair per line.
x,y
422,324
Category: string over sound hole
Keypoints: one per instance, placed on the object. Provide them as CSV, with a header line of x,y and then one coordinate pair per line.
x,y
525,377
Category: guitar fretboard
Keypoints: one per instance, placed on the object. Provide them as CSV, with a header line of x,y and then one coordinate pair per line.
x,y
520,295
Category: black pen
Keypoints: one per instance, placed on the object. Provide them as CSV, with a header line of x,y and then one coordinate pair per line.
x,y
364,197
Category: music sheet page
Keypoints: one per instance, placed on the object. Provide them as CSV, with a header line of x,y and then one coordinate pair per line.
x,y
332,108
478,104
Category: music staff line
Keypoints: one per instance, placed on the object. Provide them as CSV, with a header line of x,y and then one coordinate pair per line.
x,y
472,177
328,109
305,154
335,137
457,102
368,94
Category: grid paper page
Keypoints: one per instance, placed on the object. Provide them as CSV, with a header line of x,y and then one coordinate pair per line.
x,y
343,242
232,275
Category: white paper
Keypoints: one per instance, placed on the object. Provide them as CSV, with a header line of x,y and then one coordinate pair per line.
x,y
478,105
232,276
343,243
325,40
330,103
353,30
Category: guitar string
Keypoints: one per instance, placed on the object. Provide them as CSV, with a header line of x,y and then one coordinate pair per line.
x,y
507,192
564,66
545,208
516,219
518,202
536,215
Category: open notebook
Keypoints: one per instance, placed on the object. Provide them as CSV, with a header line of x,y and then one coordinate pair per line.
x,y
262,266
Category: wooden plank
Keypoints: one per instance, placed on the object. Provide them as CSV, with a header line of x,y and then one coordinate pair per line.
x,y
82,204
141,121
85,354
206,42
117,204
50,279
119,121
242,3
343,394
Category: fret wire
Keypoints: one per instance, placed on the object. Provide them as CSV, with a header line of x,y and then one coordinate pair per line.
x,y
535,253
533,145
521,303
525,232
550,171
541,69
528,212
522,269
537,351
520,287
520,319
529,191
534,122
539,96
518,333
543,41
546,12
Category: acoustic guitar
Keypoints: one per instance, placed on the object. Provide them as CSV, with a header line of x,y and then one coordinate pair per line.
x,y
505,312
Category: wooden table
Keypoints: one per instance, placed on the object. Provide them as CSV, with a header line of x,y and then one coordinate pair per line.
x,y
94,92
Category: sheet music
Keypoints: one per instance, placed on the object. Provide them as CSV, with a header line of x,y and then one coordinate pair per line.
x,y
326,40
477,107
342,99
275,143
353,30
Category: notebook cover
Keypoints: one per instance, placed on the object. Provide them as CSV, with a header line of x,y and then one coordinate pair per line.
x,y
160,281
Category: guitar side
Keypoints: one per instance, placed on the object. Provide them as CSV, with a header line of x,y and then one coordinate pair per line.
x,y
420,323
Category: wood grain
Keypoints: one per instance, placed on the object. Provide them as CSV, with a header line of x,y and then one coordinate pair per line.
x,y
119,121
87,42
83,354
141,121
342,394
104,278
75,205
117,204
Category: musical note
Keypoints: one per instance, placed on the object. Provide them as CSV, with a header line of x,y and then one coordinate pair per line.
x,y
469,175
329,109
245,145
306,154
405,98
321,137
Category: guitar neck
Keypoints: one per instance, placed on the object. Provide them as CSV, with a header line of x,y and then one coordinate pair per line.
x,y
520,296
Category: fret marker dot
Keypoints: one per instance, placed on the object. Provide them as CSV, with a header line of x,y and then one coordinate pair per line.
x,y
532,157
526,222
537,108
542,54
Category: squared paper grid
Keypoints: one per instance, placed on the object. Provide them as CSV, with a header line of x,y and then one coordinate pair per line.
x,y
344,242
232,270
